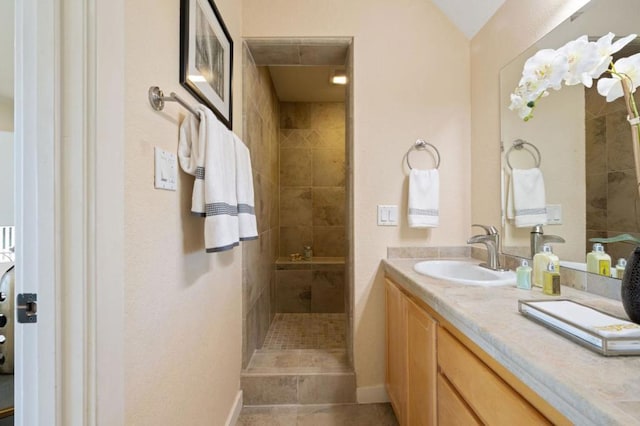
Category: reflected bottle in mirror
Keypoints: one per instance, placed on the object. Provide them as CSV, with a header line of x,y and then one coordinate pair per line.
x,y
630,287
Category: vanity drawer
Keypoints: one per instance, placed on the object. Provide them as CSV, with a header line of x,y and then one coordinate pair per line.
x,y
492,400
452,410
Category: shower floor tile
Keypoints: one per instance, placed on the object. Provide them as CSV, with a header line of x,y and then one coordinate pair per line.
x,y
306,331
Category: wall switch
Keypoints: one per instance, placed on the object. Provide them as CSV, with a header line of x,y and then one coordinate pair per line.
x,y
166,175
387,215
554,214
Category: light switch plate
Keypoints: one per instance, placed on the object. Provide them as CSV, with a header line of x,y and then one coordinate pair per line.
x,y
554,214
166,172
387,215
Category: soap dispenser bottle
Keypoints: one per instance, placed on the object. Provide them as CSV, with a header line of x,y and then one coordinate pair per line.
x,y
551,280
523,275
599,262
540,263
620,267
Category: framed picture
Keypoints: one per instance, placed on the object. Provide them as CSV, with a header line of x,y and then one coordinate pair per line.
x,y
206,56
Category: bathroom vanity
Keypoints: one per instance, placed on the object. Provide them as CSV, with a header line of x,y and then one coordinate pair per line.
x,y
459,354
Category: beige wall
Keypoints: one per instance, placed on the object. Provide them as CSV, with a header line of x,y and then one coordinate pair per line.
x,y
183,307
408,84
516,25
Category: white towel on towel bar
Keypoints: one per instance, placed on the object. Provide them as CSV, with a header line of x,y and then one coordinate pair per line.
x,y
191,151
248,229
526,198
424,198
215,183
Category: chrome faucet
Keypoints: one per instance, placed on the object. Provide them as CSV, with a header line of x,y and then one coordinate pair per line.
x,y
538,239
491,239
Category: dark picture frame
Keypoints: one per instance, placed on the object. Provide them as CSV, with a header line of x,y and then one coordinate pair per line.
x,y
206,57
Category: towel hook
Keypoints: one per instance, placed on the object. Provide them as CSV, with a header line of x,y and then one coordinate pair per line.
x,y
518,144
421,144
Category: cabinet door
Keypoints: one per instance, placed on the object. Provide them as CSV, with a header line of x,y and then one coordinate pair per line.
x,y
452,410
396,348
492,400
422,367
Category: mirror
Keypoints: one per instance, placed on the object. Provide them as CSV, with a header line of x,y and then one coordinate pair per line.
x,y
585,146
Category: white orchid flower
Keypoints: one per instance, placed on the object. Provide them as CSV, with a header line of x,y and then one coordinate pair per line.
x,y
605,50
582,57
548,67
629,67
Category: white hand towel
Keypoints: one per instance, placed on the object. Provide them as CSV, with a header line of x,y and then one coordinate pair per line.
x,y
248,228
191,152
529,203
215,183
424,198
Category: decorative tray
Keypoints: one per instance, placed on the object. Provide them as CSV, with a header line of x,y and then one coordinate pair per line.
x,y
596,330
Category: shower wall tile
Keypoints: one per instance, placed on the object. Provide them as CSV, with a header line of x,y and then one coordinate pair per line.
x,y
294,291
328,167
329,241
312,155
597,201
621,211
327,138
295,206
294,238
295,115
261,135
295,167
329,206
619,147
327,115
296,138
596,145
327,291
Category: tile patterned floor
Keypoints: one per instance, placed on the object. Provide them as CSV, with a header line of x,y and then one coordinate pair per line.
x,y
306,331
319,415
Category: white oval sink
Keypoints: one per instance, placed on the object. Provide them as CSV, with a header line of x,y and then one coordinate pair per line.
x,y
463,272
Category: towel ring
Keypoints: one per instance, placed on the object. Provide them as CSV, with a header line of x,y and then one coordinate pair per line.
x,y
519,144
421,144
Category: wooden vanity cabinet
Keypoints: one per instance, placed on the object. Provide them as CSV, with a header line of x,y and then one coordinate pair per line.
x,y
437,376
396,350
411,359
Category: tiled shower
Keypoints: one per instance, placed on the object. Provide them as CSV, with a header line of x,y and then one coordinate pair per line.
x,y
612,201
297,312
298,155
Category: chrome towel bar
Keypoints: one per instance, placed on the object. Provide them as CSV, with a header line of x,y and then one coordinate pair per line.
x,y
157,100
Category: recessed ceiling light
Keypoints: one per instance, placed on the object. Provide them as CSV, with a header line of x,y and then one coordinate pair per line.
x,y
339,77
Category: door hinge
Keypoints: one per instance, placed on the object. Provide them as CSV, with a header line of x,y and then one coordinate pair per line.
x,y
27,307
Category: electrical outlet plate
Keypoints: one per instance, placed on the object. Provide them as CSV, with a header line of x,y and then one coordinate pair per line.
x,y
387,215
166,173
554,214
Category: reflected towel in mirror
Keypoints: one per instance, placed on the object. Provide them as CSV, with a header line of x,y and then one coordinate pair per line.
x,y
526,201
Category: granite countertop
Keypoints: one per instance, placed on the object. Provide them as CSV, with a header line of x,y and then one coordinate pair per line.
x,y
586,387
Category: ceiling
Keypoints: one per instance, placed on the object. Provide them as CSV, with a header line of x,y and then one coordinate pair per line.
x,y
6,48
469,15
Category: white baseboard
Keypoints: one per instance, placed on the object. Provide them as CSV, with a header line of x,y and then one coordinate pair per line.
x,y
372,394
232,419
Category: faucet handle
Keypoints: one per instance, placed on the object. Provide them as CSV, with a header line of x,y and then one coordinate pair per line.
x,y
490,230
